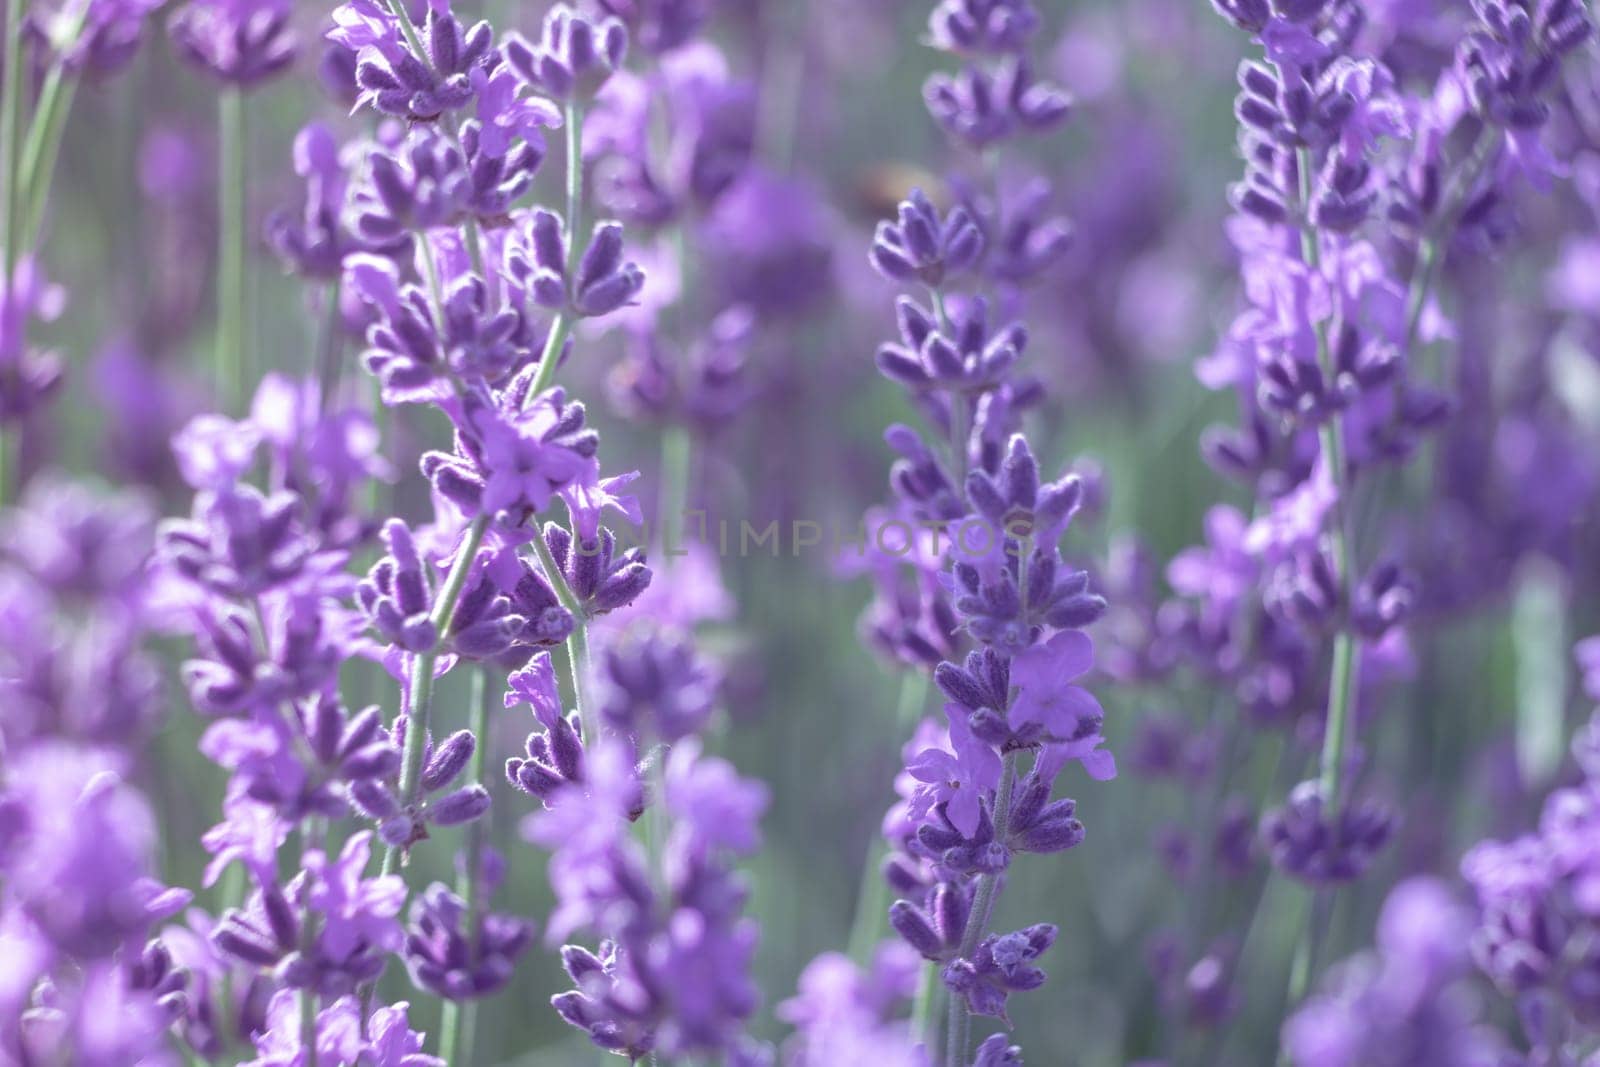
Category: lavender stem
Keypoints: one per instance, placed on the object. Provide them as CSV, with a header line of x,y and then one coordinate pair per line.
x,y
420,694
228,359
983,903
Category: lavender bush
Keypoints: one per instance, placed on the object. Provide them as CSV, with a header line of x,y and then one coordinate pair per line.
x,y
753,533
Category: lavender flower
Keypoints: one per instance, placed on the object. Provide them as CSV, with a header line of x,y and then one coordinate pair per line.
x,y
574,56
241,42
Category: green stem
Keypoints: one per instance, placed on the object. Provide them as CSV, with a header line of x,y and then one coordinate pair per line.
x,y
574,125
10,128
11,200
561,327
229,357
328,351
577,641
409,29
550,356
922,1005
677,451
43,146
1330,435
872,896
983,903
458,1022
419,696
1421,282
312,832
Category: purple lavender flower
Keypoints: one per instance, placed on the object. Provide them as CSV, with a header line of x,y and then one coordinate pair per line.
x,y
1302,842
979,26
844,1014
456,951
982,107
538,258
1002,965
440,800
574,56
968,361
355,922
242,42
658,26
655,685
1403,1004
105,41
920,246
385,1040
396,80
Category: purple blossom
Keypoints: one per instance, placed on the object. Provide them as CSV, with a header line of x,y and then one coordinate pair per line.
x,y
243,42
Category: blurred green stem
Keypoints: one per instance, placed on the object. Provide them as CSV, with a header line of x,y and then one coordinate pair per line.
x,y
922,1006
229,357
677,452
458,1023
1330,435
312,832
43,146
328,350
419,696
10,129
872,898
574,125
983,903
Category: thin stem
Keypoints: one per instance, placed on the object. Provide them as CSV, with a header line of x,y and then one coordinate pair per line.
x,y
328,351
419,695
10,128
457,1024
574,125
11,200
983,903
1330,435
872,896
430,271
577,641
561,327
922,1005
312,832
554,341
43,146
1421,282
676,456
1304,962
229,357
409,30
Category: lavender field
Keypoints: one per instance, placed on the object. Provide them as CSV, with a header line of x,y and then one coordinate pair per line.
x,y
811,533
